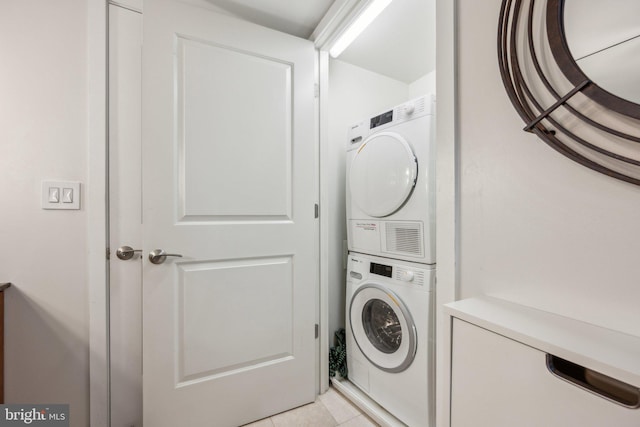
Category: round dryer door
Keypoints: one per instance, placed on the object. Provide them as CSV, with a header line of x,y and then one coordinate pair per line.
x,y
383,174
383,328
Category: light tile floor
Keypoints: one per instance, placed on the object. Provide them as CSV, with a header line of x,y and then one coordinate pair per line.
x,y
329,410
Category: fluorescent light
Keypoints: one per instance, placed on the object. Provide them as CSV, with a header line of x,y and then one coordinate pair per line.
x,y
361,22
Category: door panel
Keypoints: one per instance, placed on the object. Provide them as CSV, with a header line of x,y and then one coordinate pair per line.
x,y
213,294
257,173
229,183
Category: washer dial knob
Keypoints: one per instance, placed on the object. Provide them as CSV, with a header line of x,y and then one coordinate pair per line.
x,y
406,276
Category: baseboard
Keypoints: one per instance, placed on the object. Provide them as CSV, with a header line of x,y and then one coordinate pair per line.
x,y
367,405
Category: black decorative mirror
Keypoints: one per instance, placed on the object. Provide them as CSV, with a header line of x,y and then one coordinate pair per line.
x,y
568,69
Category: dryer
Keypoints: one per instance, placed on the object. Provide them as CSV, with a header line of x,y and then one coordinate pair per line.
x,y
389,333
390,191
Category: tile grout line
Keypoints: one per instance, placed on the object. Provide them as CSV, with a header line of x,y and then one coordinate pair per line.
x,y
336,400
328,411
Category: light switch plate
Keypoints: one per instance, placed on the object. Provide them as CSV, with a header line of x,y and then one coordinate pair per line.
x,y
68,195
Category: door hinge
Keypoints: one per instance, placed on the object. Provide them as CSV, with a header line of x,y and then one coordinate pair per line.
x,y
317,331
316,90
317,211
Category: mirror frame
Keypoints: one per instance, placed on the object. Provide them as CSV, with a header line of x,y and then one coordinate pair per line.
x,y
568,65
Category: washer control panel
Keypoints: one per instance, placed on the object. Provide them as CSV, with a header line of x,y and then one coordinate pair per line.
x,y
380,269
410,276
360,269
406,276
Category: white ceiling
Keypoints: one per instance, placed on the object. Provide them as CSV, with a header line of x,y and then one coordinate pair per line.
x,y
400,43
299,18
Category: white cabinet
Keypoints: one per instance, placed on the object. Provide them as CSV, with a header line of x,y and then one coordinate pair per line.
x,y
499,374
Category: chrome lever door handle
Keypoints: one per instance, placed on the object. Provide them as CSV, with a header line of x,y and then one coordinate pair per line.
x,y
158,256
126,252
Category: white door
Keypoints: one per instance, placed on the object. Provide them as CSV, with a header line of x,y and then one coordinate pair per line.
x,y
229,183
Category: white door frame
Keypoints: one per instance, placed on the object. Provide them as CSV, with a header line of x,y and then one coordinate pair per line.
x,y
447,196
447,205
96,207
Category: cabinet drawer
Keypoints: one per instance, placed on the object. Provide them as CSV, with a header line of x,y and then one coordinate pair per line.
x,y
499,382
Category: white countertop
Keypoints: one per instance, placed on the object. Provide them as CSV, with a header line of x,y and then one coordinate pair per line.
x,y
609,352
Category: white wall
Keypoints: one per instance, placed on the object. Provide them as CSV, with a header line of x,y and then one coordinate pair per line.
x,y
43,135
535,227
354,94
425,84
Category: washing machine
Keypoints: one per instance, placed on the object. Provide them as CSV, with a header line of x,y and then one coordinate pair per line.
x,y
390,330
390,176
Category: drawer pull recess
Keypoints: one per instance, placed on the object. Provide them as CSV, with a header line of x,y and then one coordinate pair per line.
x,y
610,388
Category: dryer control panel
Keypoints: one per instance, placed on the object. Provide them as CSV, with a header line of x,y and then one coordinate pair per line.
x,y
418,107
381,119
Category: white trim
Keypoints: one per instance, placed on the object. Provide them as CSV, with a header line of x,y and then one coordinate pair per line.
x,y
447,198
323,57
332,22
321,370
337,19
357,25
125,6
96,211
367,405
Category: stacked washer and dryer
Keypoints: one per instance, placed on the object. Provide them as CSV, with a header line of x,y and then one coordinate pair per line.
x,y
391,262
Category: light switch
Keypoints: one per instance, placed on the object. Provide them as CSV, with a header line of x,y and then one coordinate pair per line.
x,y
60,195
54,195
67,195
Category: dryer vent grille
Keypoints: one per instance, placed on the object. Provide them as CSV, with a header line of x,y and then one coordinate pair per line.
x,y
404,238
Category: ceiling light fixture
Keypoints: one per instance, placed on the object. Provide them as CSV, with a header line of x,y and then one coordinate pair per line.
x,y
361,22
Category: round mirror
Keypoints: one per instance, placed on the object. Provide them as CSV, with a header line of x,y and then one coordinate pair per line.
x,y
599,41
602,33
604,39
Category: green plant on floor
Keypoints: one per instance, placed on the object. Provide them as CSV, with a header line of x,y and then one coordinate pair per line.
x,y
338,355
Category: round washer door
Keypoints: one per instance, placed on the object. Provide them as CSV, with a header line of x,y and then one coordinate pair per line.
x,y
383,174
383,328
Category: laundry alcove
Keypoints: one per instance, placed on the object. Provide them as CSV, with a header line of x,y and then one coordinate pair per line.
x,y
349,90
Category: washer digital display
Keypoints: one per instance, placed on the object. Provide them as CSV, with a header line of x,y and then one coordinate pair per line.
x,y
381,269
